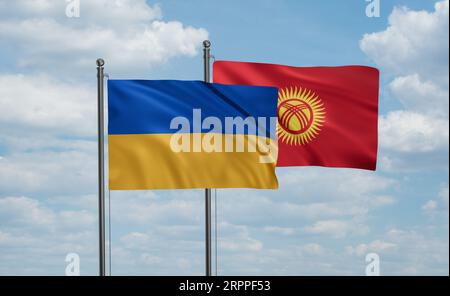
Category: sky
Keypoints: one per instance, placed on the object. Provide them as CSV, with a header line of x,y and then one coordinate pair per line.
x,y
321,221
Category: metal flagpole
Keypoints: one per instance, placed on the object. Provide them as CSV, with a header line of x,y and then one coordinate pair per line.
x,y
101,166
208,237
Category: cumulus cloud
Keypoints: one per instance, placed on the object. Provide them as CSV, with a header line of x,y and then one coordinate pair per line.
x,y
32,214
414,42
336,228
438,205
129,35
24,211
418,95
406,131
430,206
291,231
382,200
444,196
48,120
422,251
117,11
157,207
44,104
377,246
35,238
279,230
155,252
313,249
51,172
237,238
309,195
413,51
407,252
48,127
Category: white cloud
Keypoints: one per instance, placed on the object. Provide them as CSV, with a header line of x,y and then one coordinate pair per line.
x,y
429,206
44,104
76,219
439,205
31,213
115,12
336,228
153,229
239,246
444,196
157,207
129,35
48,121
10,240
418,252
306,196
50,172
150,259
313,249
280,230
420,96
24,211
35,238
406,131
377,246
237,238
414,42
380,201
413,51
347,184
135,239
156,252
331,203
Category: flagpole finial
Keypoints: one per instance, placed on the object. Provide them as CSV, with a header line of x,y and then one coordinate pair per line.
x,y
206,44
100,62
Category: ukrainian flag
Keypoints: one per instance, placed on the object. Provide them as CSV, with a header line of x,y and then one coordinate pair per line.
x,y
168,134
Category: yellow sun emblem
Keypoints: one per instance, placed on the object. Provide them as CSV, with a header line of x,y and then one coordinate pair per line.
x,y
301,115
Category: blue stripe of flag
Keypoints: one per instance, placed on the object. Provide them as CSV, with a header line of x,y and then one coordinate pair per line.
x,y
148,106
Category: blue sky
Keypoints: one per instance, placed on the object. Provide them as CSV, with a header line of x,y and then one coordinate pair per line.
x,y
320,222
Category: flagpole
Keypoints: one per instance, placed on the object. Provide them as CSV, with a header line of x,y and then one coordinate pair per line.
x,y
208,240
101,166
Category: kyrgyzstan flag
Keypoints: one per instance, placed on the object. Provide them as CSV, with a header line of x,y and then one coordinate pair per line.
x,y
327,116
